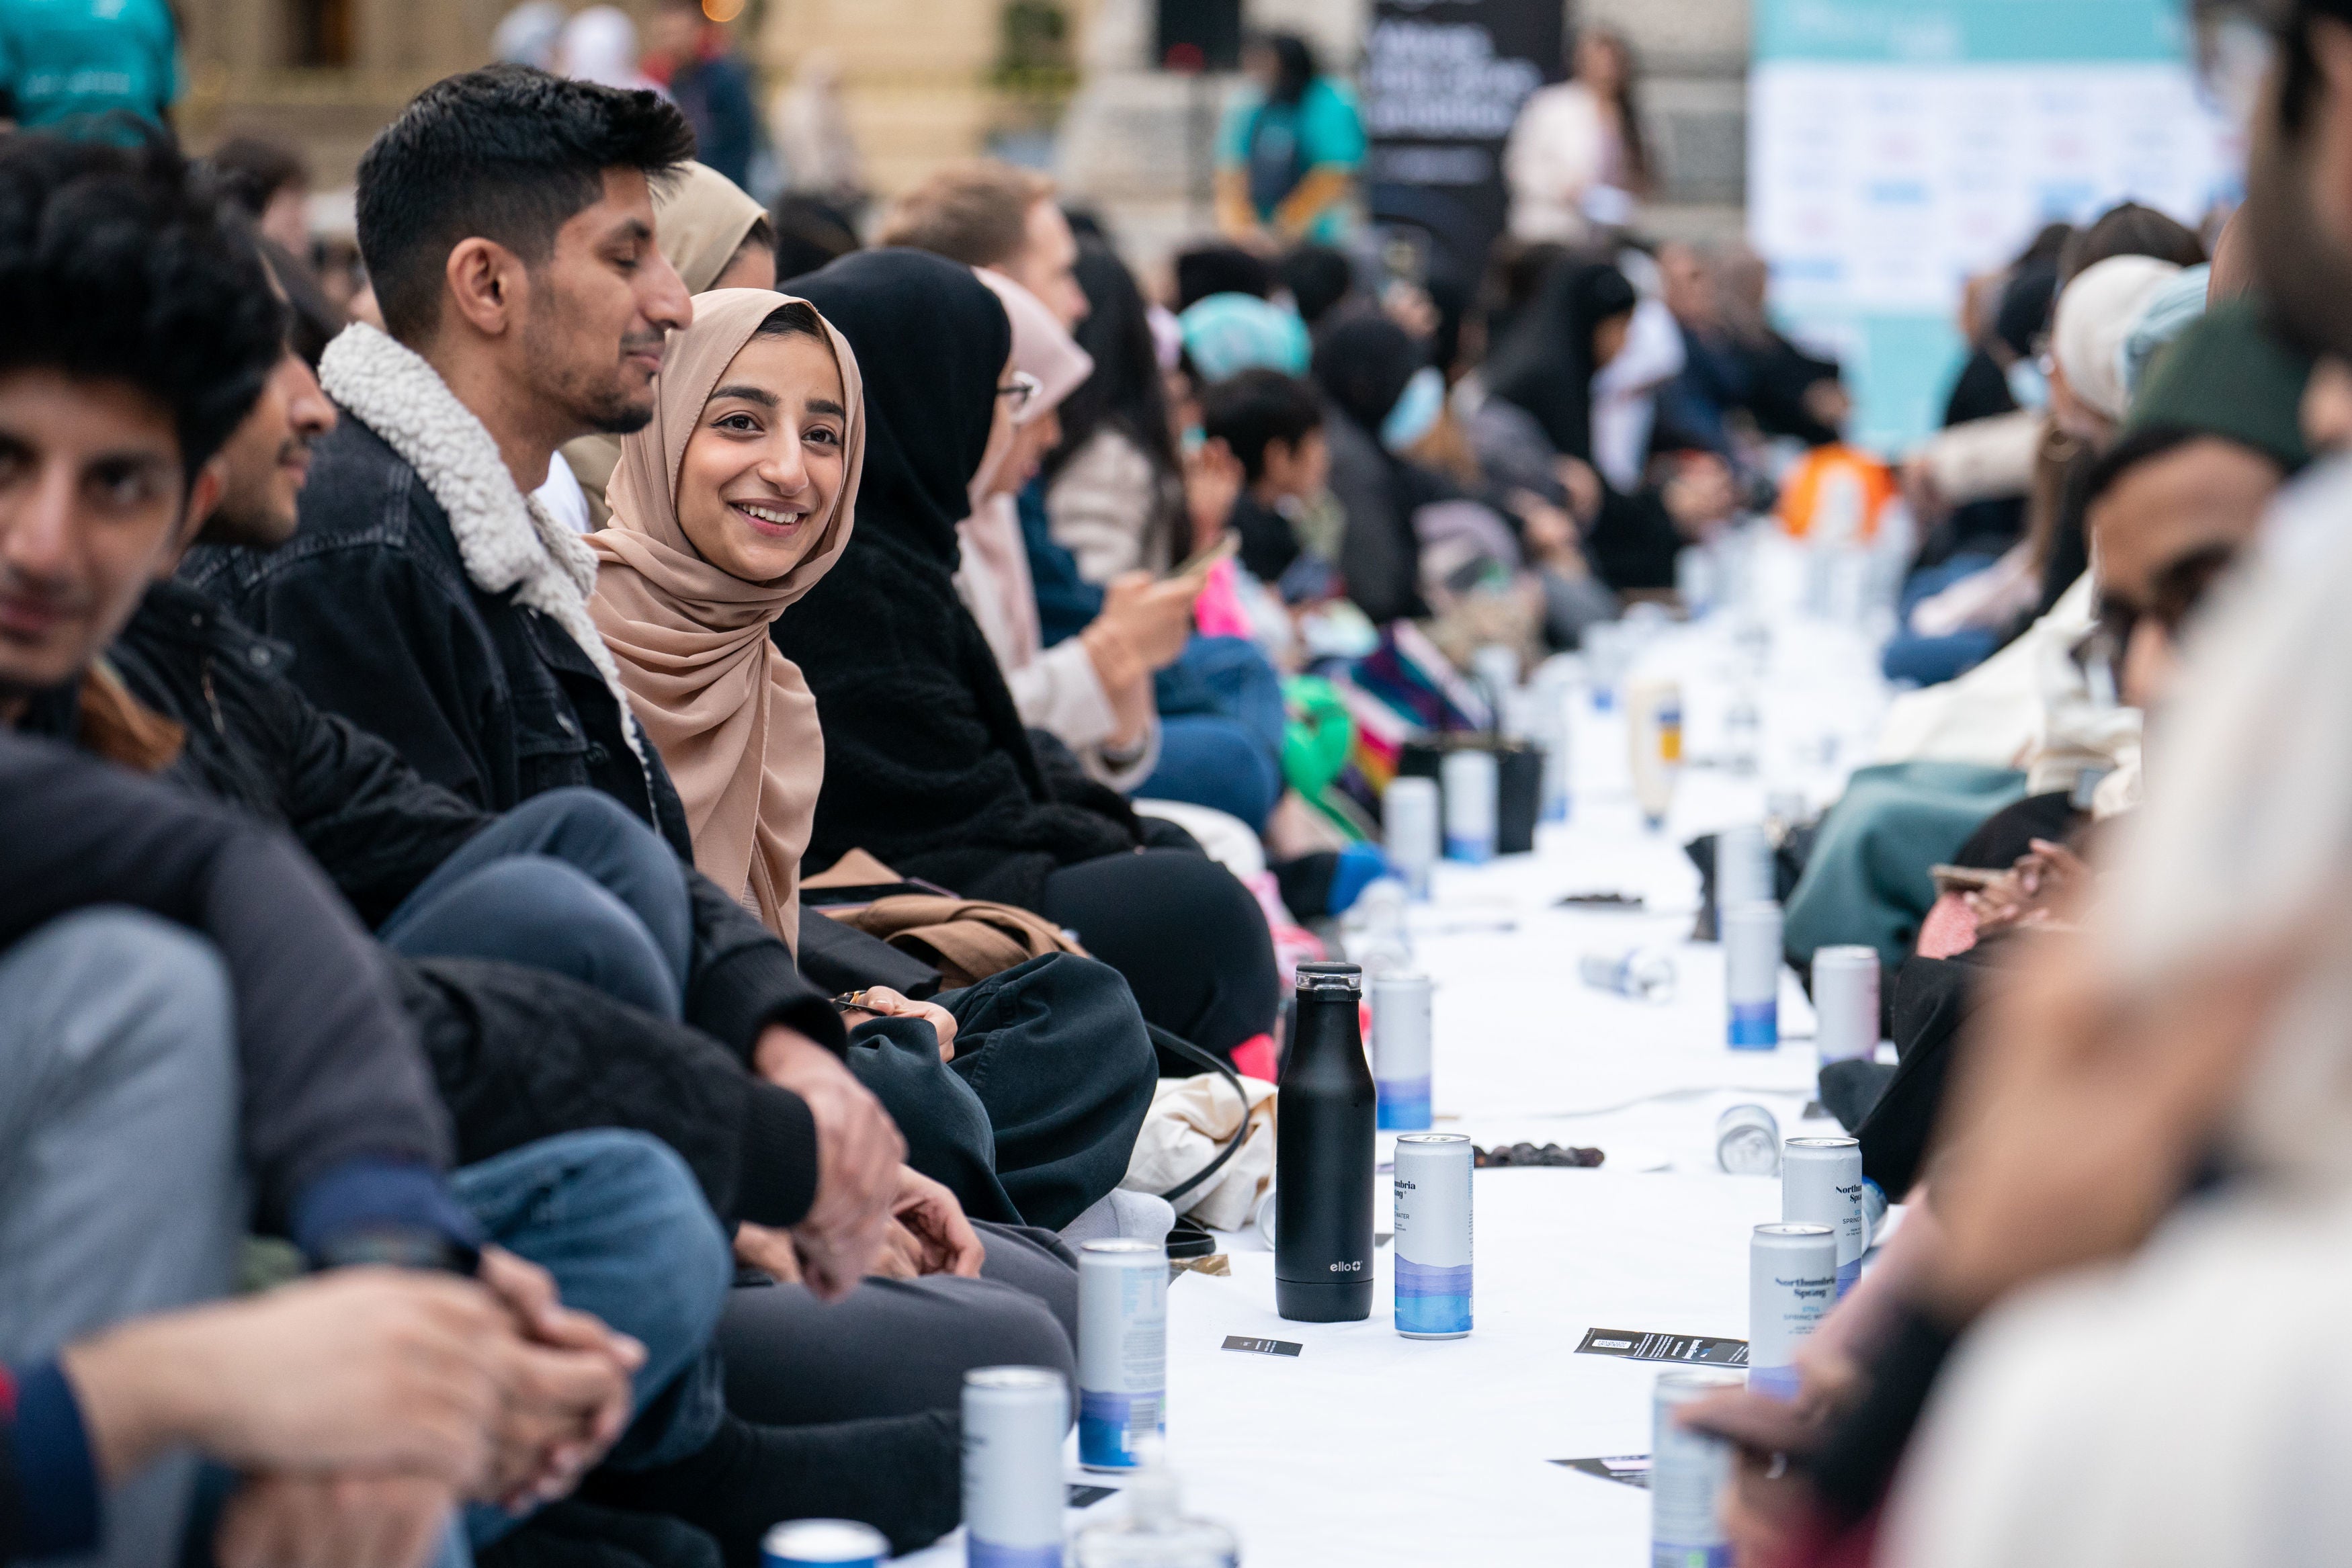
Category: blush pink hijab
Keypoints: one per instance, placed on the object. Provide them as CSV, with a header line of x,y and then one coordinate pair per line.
x,y
731,717
1043,348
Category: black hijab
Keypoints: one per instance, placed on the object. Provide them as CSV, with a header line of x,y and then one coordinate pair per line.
x,y
1362,365
931,342
926,764
1546,365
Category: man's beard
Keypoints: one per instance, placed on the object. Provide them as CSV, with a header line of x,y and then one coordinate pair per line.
x,y
248,514
2305,276
590,399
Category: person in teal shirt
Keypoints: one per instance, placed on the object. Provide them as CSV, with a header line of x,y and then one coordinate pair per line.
x,y
1287,155
59,59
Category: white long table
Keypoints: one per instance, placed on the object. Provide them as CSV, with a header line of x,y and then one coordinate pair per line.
x,y
1369,1449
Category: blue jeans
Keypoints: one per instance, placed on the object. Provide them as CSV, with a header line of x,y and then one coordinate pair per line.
x,y
568,881
618,1219
1220,727
120,1192
1930,661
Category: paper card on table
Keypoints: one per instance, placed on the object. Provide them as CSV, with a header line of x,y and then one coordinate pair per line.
x,y
1632,1469
1698,1349
1263,1346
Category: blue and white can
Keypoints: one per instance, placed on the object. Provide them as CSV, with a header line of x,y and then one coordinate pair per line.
x,y
1471,781
1401,1051
1433,1235
823,1543
1743,868
1791,1284
1549,725
1122,1351
1014,1418
1411,830
1751,974
1688,1471
1845,1002
1821,1183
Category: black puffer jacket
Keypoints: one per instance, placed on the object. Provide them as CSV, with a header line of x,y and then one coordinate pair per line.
x,y
518,1054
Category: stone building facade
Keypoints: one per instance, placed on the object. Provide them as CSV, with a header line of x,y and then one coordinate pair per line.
x,y
1134,142
920,86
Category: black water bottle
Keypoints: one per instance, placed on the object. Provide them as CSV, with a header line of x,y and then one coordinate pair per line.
x,y
1323,1156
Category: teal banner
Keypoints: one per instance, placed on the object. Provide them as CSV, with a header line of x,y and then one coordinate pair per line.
x,y
1970,32
1898,147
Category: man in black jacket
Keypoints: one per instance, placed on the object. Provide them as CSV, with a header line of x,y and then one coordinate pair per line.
x,y
433,606
128,1045
508,227
389,837
147,1074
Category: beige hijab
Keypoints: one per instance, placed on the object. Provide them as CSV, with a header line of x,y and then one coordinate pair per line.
x,y
730,714
700,220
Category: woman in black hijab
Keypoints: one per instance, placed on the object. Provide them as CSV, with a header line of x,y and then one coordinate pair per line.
x,y
1546,366
1407,522
926,764
1364,365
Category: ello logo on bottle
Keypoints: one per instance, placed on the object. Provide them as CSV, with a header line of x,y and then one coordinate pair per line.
x,y
1355,1267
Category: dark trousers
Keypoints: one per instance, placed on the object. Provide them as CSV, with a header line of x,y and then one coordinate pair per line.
x,y
1035,1119
1190,940
568,881
900,1346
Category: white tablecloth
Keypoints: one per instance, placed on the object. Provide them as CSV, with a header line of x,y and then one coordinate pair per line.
x,y
1369,1449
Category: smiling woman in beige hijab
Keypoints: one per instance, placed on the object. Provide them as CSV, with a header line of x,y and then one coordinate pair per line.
x,y
717,237
731,716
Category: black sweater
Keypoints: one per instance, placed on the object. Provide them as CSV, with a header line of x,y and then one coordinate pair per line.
x,y
330,1069
927,765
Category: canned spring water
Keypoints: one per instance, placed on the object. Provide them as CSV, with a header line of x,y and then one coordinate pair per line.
x,y
1821,1183
1641,974
1410,830
1791,1281
1400,1031
1845,1002
829,1543
1688,1471
1549,725
1748,1142
1013,1493
1751,975
1471,780
1743,868
1122,1349
1433,1235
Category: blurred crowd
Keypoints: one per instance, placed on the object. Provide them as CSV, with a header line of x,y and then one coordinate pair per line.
x,y
626,810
